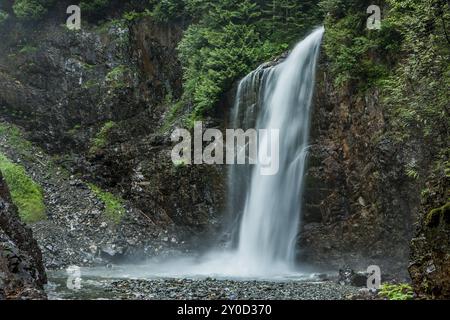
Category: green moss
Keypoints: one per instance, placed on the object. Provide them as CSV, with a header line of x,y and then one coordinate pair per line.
x,y
411,170
25,193
94,7
131,16
91,83
87,66
29,9
402,291
173,114
28,49
116,77
14,137
101,139
180,164
114,208
74,130
435,216
3,17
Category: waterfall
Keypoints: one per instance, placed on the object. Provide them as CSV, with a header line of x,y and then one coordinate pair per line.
x,y
269,207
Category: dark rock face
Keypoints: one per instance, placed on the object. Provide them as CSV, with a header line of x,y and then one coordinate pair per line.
x,y
359,206
63,89
430,248
22,274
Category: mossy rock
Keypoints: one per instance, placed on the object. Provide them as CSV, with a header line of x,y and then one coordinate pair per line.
x,y
114,207
437,216
101,138
26,194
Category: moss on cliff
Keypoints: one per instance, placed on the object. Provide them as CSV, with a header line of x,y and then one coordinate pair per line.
x,y
31,9
26,194
101,138
116,78
114,209
438,215
14,138
3,16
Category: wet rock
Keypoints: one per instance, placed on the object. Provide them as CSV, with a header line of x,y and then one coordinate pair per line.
x,y
347,276
352,181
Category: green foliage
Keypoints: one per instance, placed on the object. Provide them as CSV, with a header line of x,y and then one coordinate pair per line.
x,y
25,193
412,170
173,113
435,216
358,57
180,164
402,291
408,58
114,208
116,78
94,7
168,10
30,9
14,137
3,17
417,92
75,129
101,138
91,83
133,15
28,49
230,38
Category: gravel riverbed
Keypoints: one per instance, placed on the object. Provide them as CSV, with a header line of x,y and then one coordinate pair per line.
x,y
201,289
206,289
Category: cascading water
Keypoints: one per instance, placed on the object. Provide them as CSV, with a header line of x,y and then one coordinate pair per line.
x,y
267,207
274,98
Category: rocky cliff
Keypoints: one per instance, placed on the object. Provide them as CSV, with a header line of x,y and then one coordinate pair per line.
x,y
96,105
359,204
22,274
430,258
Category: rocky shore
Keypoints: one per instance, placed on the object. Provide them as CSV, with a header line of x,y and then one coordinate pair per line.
x,y
203,289
213,289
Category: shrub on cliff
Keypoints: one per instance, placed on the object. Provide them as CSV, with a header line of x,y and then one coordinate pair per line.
x,y
3,16
30,9
94,8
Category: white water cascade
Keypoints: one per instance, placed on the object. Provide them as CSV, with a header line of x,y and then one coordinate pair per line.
x,y
267,208
280,98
